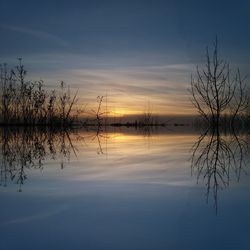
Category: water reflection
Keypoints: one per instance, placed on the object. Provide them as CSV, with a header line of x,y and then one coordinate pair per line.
x,y
25,148
149,156
100,137
219,158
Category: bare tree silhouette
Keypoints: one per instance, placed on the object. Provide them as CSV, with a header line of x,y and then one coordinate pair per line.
x,y
99,113
216,91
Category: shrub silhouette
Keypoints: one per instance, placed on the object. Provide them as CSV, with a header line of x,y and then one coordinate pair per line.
x,y
26,102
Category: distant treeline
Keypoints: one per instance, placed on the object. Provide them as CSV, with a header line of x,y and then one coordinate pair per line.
x,y
25,102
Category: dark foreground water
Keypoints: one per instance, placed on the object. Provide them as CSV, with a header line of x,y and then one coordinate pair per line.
x,y
124,189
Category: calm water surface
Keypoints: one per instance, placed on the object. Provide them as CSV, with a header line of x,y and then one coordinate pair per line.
x,y
124,189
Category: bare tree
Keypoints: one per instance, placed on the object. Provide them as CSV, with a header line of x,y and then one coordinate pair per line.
x,y
98,113
216,91
147,118
240,101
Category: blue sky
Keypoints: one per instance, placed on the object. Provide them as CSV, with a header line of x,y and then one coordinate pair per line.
x,y
144,50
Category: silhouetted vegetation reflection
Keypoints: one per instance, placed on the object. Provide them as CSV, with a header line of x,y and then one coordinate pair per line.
x,y
219,158
23,149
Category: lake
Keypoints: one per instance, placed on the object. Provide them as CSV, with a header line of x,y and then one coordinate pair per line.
x,y
124,188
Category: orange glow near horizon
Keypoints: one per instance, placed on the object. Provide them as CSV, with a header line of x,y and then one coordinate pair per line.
x,y
123,112
123,106
132,91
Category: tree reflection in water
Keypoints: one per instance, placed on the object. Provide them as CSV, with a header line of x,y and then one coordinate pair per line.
x,y
22,149
218,158
26,148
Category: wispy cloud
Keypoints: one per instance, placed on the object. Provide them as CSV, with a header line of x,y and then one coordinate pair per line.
x,y
131,89
37,34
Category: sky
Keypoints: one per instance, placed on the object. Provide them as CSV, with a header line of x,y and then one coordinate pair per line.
x,y
140,53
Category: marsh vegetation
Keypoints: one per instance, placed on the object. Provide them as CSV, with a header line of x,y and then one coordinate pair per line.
x,y
23,149
25,102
